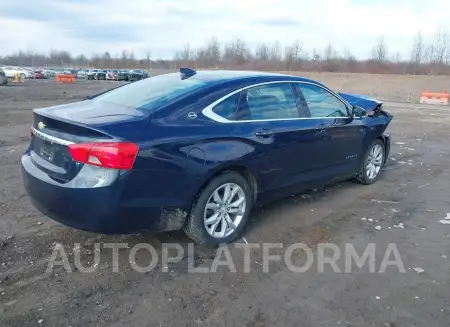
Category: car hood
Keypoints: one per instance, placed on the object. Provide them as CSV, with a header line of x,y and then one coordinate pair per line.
x,y
365,102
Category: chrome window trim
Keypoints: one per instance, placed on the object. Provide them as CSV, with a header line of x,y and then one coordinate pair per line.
x,y
50,138
208,111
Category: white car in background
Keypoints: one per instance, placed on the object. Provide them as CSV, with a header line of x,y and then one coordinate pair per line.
x,y
10,71
82,74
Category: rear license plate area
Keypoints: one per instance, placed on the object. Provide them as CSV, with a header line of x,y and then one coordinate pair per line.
x,y
46,151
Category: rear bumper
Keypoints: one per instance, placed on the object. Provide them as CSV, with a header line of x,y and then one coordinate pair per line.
x,y
99,210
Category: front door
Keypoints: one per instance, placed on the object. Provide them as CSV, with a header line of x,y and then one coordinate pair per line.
x,y
339,136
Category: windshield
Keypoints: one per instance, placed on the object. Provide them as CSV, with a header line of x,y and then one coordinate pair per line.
x,y
152,93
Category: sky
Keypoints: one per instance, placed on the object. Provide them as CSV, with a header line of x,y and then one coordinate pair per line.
x,y
164,26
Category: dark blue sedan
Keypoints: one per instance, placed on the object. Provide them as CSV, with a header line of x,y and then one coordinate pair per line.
x,y
197,151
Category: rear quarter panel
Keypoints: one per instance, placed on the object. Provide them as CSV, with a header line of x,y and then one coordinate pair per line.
x,y
178,154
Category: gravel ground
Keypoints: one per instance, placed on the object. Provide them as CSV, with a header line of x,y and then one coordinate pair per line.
x,y
412,193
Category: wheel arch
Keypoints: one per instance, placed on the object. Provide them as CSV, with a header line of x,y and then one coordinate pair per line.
x,y
387,145
249,174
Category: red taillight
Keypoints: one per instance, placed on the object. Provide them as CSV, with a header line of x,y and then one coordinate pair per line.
x,y
118,155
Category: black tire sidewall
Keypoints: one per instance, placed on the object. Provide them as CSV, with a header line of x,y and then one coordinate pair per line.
x,y
363,170
196,228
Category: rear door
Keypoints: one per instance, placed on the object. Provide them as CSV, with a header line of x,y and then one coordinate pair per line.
x,y
280,139
339,136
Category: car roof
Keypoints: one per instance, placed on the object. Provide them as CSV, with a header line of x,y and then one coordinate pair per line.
x,y
218,76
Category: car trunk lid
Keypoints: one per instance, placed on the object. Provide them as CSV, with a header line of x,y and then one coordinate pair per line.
x,y
55,128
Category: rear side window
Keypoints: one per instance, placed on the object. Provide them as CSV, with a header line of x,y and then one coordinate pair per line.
x,y
227,108
268,102
152,93
322,103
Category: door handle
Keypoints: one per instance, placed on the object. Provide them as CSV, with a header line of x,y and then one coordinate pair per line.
x,y
264,133
321,131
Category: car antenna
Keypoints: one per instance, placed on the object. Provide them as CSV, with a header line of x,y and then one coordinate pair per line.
x,y
187,72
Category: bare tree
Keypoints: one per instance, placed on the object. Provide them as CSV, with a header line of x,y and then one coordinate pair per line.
x,y
330,53
380,50
439,51
148,57
293,55
236,54
237,51
124,59
348,54
331,57
187,53
417,52
209,55
316,56
262,52
81,60
107,60
275,52
131,56
418,49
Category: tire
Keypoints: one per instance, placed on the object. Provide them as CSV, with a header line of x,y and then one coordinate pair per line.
x,y
197,222
22,77
366,175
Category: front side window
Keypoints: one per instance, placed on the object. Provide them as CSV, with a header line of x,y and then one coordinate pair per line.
x,y
267,102
322,103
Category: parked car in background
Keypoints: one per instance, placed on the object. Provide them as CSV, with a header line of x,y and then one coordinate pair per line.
x,y
81,74
59,71
101,74
112,74
3,78
29,72
39,74
10,71
49,72
90,74
137,74
198,150
97,74
122,75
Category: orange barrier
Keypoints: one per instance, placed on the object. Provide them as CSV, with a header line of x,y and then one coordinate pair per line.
x,y
435,98
65,78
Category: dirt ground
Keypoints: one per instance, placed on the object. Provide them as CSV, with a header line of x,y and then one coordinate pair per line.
x,y
413,191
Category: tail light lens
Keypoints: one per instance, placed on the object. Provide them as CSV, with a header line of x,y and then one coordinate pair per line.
x,y
118,155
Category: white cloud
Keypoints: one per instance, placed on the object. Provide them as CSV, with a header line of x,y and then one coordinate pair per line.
x,y
164,26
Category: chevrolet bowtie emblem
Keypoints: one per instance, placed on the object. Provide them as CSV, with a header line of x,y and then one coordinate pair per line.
x,y
41,125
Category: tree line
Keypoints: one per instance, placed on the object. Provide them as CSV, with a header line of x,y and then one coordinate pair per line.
x,y
432,57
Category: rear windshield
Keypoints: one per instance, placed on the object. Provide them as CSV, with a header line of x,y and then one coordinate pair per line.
x,y
151,93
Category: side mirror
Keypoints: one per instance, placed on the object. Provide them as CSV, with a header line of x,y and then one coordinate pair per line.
x,y
358,112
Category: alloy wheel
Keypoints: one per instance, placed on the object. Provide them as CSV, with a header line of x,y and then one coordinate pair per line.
x,y
224,210
374,161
